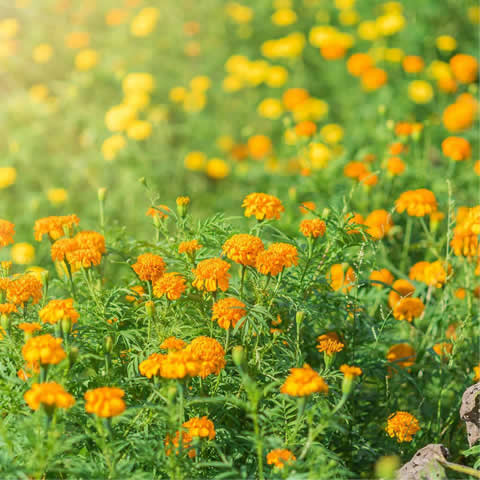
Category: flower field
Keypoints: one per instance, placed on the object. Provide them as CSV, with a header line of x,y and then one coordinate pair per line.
x,y
239,239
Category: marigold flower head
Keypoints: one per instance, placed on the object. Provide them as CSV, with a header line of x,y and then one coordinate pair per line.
x,y
228,312
459,116
408,308
354,169
435,274
172,285
7,231
8,308
24,288
373,78
160,211
259,146
368,179
417,271
182,201
476,370
209,355
49,394
413,64
464,67
83,257
341,278
465,238
402,426
54,227
456,148
178,364
417,203
383,275
443,349
105,402
329,343
212,274
138,292
43,349
62,247
149,267
402,355
395,166
294,97
189,247
173,343
359,63
351,372
243,248
400,289
354,219
277,257
152,365
262,206
29,328
379,223
88,239
279,457
307,207
57,310
200,427
313,228
181,443
303,382
307,128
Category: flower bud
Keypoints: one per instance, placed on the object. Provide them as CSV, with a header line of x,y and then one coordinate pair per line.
x,y
182,206
150,308
5,322
299,317
238,355
108,344
73,355
101,193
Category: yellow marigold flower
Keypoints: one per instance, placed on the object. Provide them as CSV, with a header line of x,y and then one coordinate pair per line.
x,y
112,146
57,196
211,274
76,40
351,372
329,343
9,27
383,275
23,253
208,354
135,82
51,395
262,206
277,257
243,248
177,364
144,22
443,349
139,130
149,267
24,288
119,118
276,76
182,201
43,350
172,285
417,203
446,43
228,312
42,53
54,227
341,278
435,274
57,310
29,328
303,382
408,308
270,108
313,228
402,355
160,211
152,365
476,369
172,343
195,161
86,59
7,231
8,175
279,457
400,289
200,427
217,169
417,271
402,426
8,308
189,247
105,402
82,257
456,148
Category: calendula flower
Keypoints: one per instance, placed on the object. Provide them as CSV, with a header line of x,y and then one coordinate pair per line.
x,y
7,231
382,276
417,203
279,457
303,382
55,227
354,169
209,355
172,285
243,248
23,289
200,427
329,343
263,206
149,267
276,258
402,426
408,309
105,402
57,310
51,395
172,343
379,223
313,228
43,350
417,271
402,355
160,211
211,274
189,247
228,312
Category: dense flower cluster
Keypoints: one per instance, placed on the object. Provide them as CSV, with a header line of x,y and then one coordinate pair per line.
x,y
303,381
105,402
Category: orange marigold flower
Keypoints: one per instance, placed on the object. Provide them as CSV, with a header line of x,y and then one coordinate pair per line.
x,y
29,328
160,211
57,310
54,227
212,274
152,365
379,223
174,442
293,97
277,257
24,288
262,206
172,285
87,239
83,258
179,364
402,426
396,148
369,179
228,312
149,267
307,207
243,248
351,372
329,343
306,128
7,231
403,129
313,228
354,219
382,276
402,355
189,247
395,166
105,402
408,309
354,169
476,369
435,274
359,63
8,308
138,292
200,427
172,343
259,146
341,278
459,116
62,247
44,349
413,64
209,355
303,382
50,394
417,271
373,78
400,289
417,203
443,349
279,457
456,148
464,67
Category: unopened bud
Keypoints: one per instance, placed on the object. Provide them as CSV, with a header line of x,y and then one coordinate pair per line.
x,y
150,308
238,355
5,322
73,355
108,344
299,317
66,325
102,192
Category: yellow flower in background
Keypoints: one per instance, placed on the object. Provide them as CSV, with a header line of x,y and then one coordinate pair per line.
x,y
115,16
57,196
139,130
194,102
284,17
239,13
344,4
9,27
177,94
138,82
38,93
112,146
368,30
8,175
200,83
217,169
278,4
270,108
120,117
319,155
446,43
348,17
195,161
232,83
290,46
394,55
42,53
22,253
145,22
390,24
474,14
420,91
332,133
76,40
86,60
225,143
276,76
138,100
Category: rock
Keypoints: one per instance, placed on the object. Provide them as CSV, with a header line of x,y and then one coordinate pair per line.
x,y
424,464
470,412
